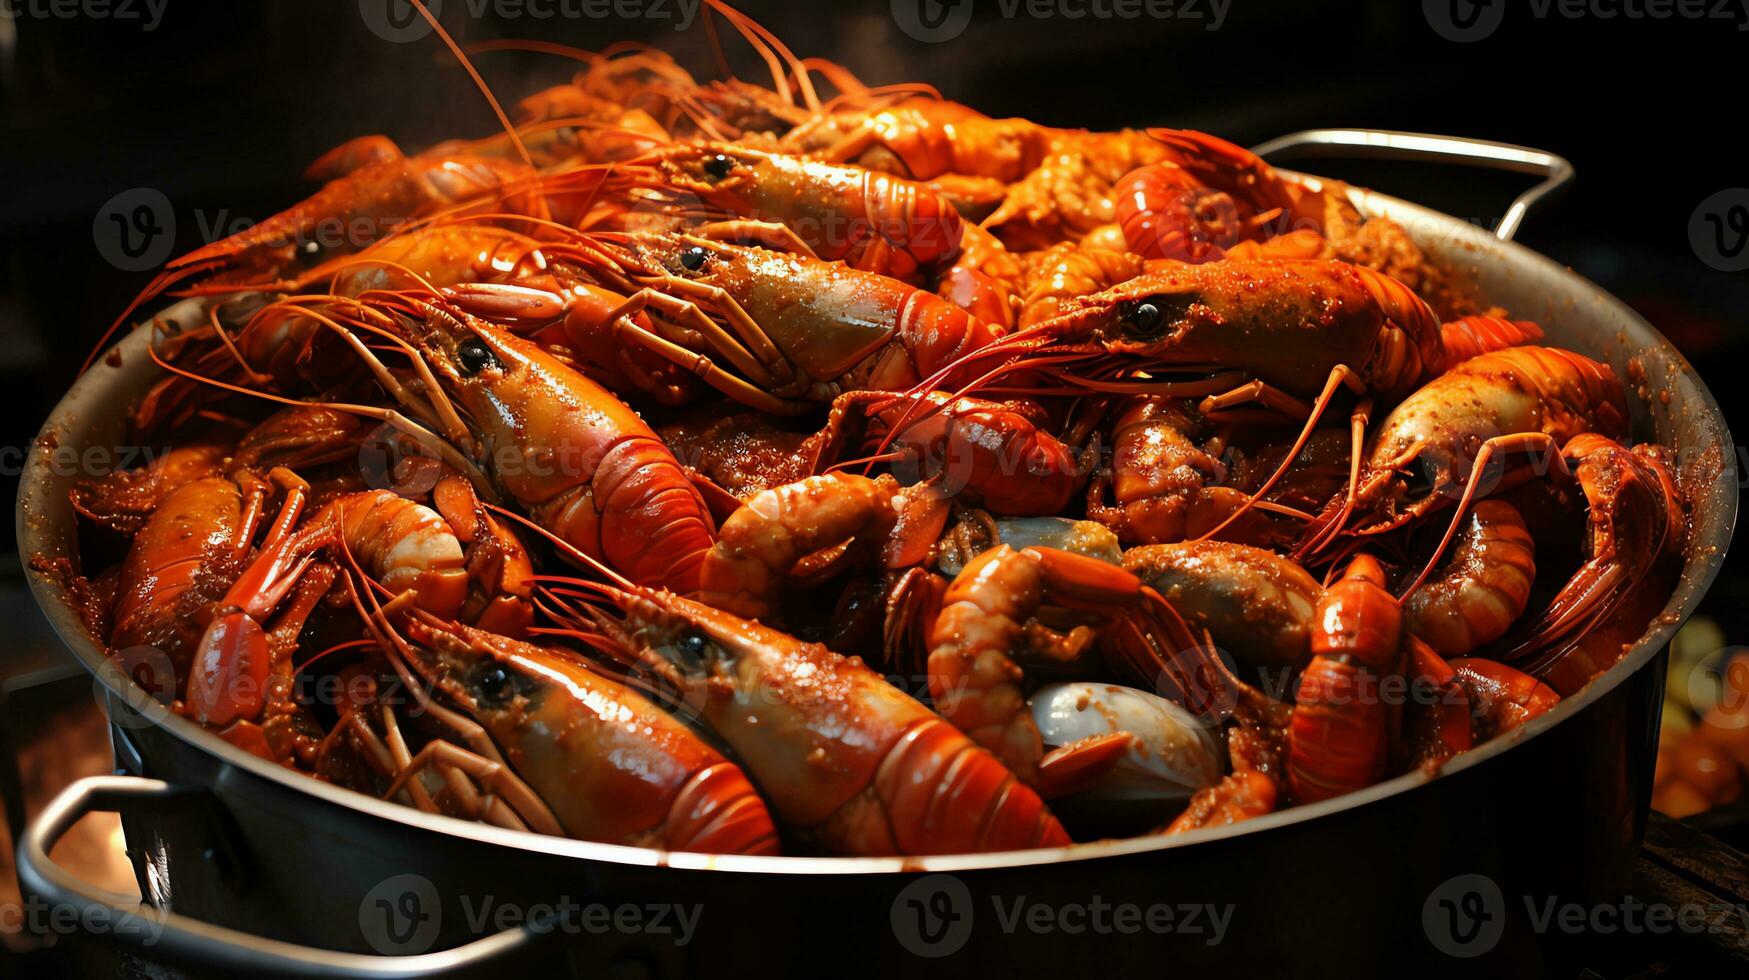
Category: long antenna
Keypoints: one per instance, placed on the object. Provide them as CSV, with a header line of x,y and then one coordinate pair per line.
x,y
503,119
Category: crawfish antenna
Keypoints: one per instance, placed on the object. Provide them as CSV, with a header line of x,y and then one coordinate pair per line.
x,y
1339,376
772,50
160,282
577,554
468,66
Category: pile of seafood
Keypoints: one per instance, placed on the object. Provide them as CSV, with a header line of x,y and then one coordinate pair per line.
x,y
817,468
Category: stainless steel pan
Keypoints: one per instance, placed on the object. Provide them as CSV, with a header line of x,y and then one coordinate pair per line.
x,y
249,867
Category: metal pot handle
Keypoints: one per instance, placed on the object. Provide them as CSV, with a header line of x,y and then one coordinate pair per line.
x,y
223,950
1388,145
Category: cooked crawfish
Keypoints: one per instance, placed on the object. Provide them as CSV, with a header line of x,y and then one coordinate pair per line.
x,y
850,764
611,765
738,353
584,465
869,220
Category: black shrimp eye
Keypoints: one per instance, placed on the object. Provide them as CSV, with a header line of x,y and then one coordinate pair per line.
x,y
693,258
718,167
494,681
1144,320
475,356
309,252
693,646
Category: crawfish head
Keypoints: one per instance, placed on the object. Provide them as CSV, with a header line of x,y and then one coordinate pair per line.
x,y
481,671
457,347
709,170
687,643
1145,316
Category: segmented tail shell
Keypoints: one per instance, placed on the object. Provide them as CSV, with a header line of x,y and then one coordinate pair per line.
x,y
1337,742
1482,588
649,520
1473,336
1411,352
906,227
719,812
1165,214
944,795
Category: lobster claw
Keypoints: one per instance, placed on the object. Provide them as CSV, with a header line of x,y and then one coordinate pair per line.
x,y
229,682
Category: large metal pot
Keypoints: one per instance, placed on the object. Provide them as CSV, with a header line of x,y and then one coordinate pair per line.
x,y
245,866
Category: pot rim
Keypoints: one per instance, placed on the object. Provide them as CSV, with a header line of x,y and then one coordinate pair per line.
x,y
43,515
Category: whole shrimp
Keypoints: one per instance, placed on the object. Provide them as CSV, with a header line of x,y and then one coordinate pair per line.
x,y
610,765
1294,327
283,346
849,764
869,220
1520,399
805,330
1298,328
355,210
576,458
